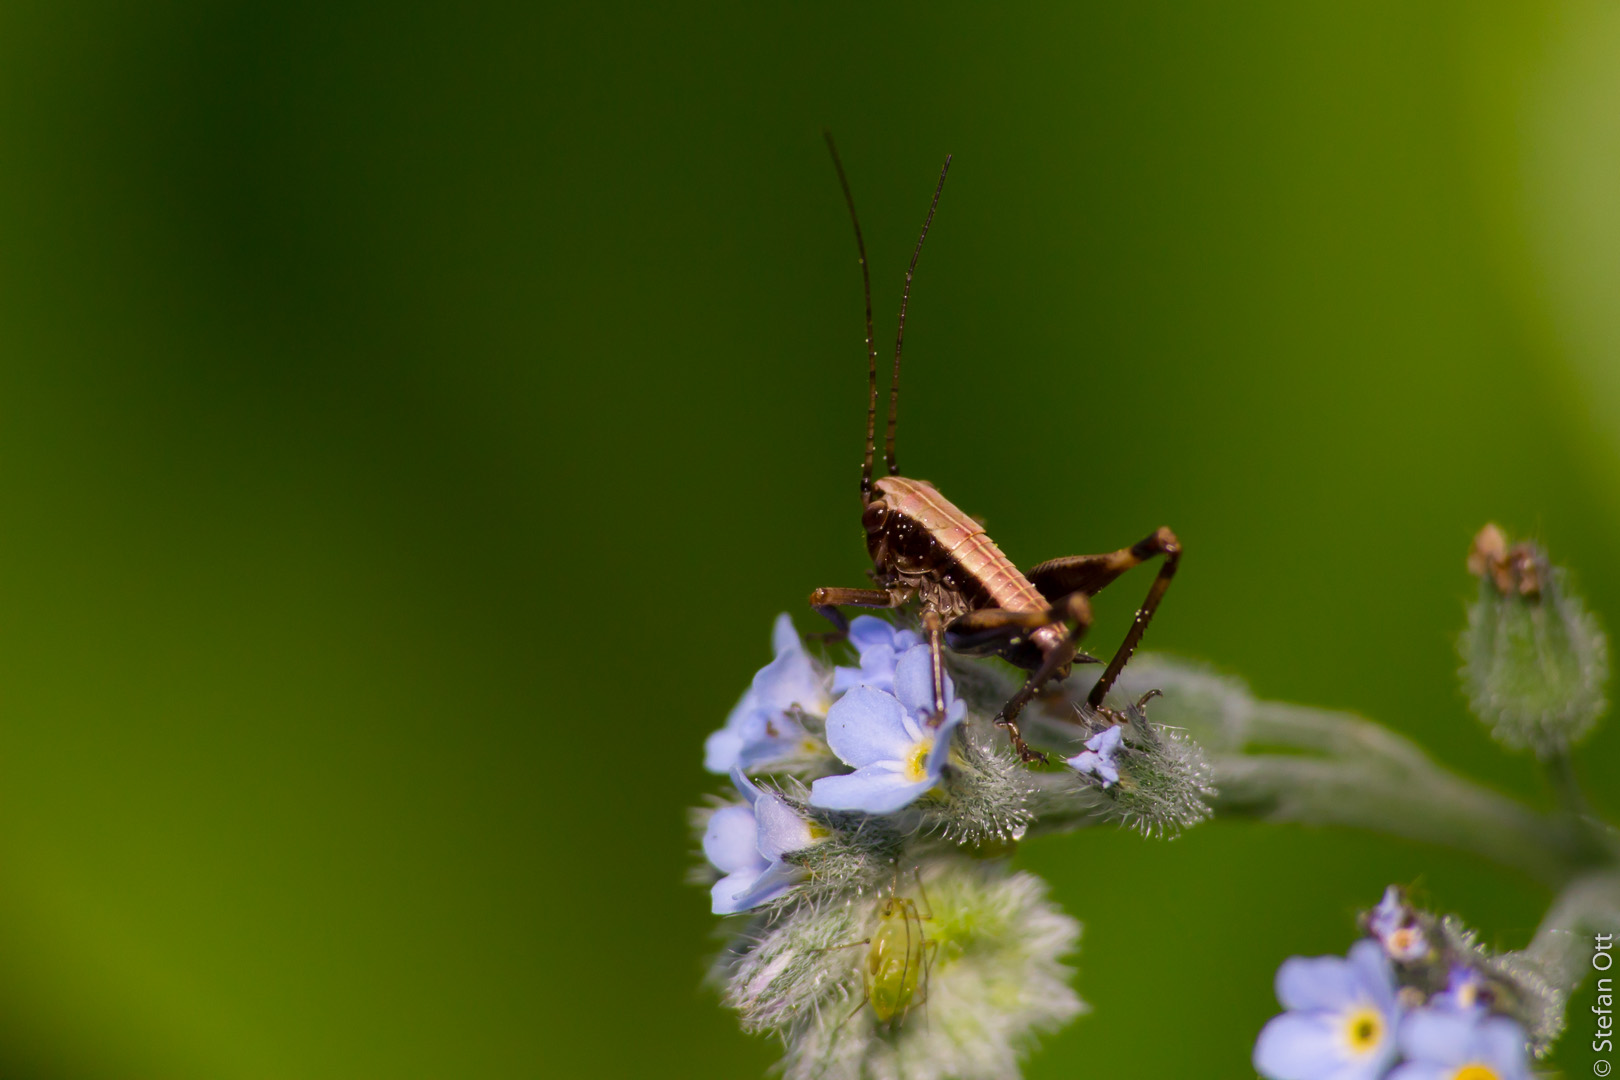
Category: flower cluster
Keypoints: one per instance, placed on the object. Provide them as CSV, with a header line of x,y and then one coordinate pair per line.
x,y
1417,1000
870,800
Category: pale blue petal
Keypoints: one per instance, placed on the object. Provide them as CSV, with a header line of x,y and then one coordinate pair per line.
x,y
721,750
867,631
1106,742
746,787
746,705
1502,1043
1437,1035
867,725
1299,1046
940,752
875,790
1370,1067
1316,982
1386,918
1416,1070
768,739
731,842
1097,759
1094,764
1374,974
727,896
876,670
791,679
768,886
781,829
914,681
783,636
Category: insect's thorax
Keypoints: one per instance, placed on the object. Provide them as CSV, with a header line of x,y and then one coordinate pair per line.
x,y
919,541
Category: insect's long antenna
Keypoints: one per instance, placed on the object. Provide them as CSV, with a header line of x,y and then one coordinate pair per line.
x,y
871,343
900,335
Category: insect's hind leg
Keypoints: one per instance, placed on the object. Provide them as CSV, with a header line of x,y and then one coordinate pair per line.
x,y
1092,573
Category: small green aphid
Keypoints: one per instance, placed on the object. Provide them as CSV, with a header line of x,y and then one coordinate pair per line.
x,y
898,958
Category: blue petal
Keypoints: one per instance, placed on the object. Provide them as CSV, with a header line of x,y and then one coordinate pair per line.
x,y
1450,1039
1299,1046
914,681
875,790
940,752
731,842
1502,1043
1436,1035
1316,982
729,893
1413,1070
1388,915
867,725
768,886
783,636
791,679
746,787
721,750
769,738
876,670
867,631
1374,974
781,829
1094,764
1106,742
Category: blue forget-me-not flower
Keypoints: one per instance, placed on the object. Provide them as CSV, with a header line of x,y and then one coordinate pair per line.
x,y
1464,990
896,744
1394,923
1341,1019
746,843
879,644
761,730
1469,1045
1097,759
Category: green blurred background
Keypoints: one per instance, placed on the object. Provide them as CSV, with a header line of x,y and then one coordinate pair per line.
x,y
411,421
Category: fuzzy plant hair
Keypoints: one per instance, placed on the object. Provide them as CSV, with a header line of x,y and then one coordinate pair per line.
x,y
880,933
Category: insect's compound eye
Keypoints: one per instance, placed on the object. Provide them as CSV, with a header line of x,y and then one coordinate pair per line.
x,y
874,517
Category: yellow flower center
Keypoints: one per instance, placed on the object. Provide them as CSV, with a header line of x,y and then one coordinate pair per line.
x,y
1402,940
917,763
1475,1070
1364,1031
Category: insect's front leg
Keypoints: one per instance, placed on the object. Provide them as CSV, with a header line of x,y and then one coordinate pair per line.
x,y
826,602
1090,574
934,627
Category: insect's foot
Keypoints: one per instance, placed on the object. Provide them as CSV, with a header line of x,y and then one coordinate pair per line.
x,y
1026,753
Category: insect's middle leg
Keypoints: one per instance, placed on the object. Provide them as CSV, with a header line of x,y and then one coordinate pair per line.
x,y
977,628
